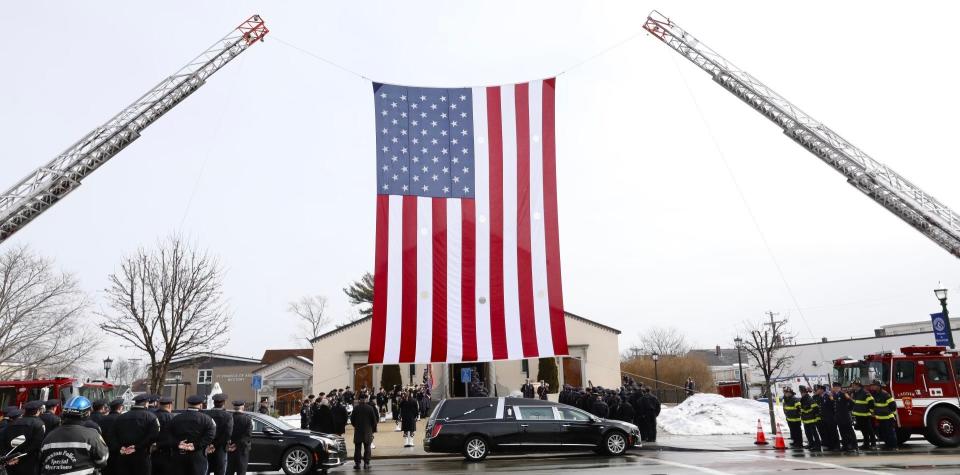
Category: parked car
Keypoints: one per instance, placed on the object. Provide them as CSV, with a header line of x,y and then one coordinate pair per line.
x,y
277,445
477,427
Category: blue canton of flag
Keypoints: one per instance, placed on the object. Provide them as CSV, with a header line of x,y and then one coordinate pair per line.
x,y
424,141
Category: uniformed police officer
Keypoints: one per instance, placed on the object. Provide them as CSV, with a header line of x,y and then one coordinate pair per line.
x,y
791,409
844,411
217,458
828,419
49,416
106,428
885,412
160,458
810,417
73,448
31,427
239,448
134,433
97,410
863,414
10,414
192,432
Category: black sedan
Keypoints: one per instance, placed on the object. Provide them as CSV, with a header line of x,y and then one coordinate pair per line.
x,y
476,427
277,445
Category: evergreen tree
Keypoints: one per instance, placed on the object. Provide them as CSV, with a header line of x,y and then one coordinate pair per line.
x,y
547,371
360,292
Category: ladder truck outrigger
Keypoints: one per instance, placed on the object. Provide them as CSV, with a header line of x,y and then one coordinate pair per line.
x,y
924,380
48,184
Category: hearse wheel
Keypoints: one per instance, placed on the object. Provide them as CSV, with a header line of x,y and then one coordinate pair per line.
x,y
943,427
475,448
296,461
615,443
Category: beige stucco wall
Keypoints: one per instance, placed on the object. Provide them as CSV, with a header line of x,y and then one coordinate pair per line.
x,y
335,355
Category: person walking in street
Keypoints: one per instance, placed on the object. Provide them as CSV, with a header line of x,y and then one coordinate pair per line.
x,y
382,404
364,420
651,406
217,452
791,409
73,448
409,410
192,432
827,428
810,417
134,433
49,415
863,415
885,412
163,448
31,427
844,410
238,451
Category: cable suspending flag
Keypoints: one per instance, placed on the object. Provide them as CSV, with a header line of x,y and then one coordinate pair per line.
x,y
467,261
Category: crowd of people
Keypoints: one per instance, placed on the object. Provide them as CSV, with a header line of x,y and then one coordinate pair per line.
x,y
829,414
146,439
632,402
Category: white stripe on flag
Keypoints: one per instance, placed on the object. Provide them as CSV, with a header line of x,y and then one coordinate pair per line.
x,y
538,253
482,199
424,278
391,345
454,276
511,297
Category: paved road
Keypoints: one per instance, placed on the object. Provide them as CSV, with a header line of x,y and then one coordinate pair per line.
x,y
916,460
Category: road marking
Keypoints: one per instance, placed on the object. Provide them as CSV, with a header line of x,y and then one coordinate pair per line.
x,y
822,464
690,467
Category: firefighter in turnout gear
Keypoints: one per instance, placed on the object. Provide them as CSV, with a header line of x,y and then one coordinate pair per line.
x,y
810,416
73,448
791,409
134,433
863,415
885,412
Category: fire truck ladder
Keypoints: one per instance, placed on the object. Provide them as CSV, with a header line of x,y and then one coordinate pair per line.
x,y
50,183
895,193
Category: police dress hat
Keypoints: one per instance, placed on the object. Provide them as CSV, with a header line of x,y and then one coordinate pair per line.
x,y
141,397
219,397
12,412
51,403
196,399
116,402
153,397
33,405
239,403
98,403
165,400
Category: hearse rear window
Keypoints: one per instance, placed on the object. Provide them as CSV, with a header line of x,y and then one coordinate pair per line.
x,y
538,413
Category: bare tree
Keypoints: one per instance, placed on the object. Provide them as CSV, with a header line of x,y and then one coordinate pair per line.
x,y
311,313
42,313
167,302
766,346
664,341
125,371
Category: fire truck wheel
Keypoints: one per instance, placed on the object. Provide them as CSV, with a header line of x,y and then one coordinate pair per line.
x,y
943,427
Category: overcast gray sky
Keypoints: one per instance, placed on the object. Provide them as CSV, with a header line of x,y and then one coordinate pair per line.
x,y
271,164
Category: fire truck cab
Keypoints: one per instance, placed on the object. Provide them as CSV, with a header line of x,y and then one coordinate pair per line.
x,y
17,392
924,382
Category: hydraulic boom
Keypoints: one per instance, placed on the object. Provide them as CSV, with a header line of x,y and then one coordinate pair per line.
x,y
904,199
50,183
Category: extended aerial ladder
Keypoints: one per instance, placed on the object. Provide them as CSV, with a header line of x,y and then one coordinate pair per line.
x,y
904,199
47,185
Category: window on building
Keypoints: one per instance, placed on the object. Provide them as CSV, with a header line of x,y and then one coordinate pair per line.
x,y
904,371
525,367
937,371
173,375
205,376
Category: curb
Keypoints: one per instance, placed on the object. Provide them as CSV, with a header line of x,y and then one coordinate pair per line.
x,y
670,448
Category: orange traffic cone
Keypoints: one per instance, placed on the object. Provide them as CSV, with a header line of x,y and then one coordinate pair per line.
x,y
761,438
778,443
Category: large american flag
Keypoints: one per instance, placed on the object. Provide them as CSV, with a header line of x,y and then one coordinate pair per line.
x,y
467,247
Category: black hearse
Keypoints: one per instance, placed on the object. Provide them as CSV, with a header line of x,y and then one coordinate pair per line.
x,y
477,427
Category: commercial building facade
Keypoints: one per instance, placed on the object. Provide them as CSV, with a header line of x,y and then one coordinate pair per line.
x,y
199,372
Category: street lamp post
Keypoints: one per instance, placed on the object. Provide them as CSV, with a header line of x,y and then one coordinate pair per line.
x,y
107,364
739,342
941,294
656,373
176,389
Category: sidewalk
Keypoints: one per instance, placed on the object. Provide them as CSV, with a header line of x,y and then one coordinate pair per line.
x,y
705,443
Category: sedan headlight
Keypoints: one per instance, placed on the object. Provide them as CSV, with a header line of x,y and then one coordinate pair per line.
x,y
328,444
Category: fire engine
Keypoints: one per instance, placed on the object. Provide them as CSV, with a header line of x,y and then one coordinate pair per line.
x,y
923,380
17,392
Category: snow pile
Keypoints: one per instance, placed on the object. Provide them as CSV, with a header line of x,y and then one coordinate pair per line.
x,y
713,414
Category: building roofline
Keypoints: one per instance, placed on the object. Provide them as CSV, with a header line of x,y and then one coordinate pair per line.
x,y
364,319
210,355
874,337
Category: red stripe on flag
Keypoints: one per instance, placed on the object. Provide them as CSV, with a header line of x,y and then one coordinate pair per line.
x,y
378,334
528,322
408,306
468,277
551,221
439,351
498,330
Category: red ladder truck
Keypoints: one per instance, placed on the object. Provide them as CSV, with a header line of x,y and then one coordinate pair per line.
x,y
16,392
924,382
